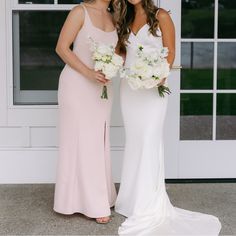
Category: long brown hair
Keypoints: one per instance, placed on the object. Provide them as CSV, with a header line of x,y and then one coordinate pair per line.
x,y
124,16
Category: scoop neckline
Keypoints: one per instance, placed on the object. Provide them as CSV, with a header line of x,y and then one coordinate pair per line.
x,y
93,24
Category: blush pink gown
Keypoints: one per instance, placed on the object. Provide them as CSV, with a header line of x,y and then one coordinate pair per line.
x,y
84,181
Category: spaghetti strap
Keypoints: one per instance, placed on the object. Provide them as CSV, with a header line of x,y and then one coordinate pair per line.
x,y
86,16
158,27
157,11
85,10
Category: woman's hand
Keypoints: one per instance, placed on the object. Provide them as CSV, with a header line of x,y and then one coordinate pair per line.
x,y
162,82
96,76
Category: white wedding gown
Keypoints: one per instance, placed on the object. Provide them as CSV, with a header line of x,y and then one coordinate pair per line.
x,y
142,196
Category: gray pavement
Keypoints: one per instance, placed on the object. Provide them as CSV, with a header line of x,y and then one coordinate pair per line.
x,y
27,209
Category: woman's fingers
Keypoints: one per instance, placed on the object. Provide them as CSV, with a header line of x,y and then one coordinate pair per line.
x,y
101,77
162,82
101,73
101,81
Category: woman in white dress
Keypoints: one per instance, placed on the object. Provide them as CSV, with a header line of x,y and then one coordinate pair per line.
x,y
142,196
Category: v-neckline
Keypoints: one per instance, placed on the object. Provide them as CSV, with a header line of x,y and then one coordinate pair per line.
x,y
136,34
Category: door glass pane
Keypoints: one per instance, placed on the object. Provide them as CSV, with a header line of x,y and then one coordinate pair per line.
x,y
197,61
227,19
226,116
196,116
36,1
36,65
69,1
226,66
198,18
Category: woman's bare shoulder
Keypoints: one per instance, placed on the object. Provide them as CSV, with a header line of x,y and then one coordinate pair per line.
x,y
162,14
78,10
75,17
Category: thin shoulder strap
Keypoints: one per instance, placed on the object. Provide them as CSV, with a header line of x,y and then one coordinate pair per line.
x,y
86,15
157,11
158,27
85,10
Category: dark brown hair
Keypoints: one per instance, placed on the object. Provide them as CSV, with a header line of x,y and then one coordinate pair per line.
x,y
124,17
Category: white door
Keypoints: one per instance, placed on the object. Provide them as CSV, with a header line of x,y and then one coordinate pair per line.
x,y
200,129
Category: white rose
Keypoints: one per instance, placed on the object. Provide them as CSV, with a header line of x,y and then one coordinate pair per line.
x,y
139,64
124,73
149,72
98,65
150,83
157,70
164,70
110,71
161,69
134,83
140,68
117,60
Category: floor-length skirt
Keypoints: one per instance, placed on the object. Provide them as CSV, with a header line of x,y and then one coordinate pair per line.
x,y
142,196
84,180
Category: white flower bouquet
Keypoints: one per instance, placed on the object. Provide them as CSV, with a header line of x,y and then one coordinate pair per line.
x,y
149,68
106,61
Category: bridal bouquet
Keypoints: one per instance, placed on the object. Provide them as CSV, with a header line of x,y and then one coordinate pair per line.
x,y
106,61
148,69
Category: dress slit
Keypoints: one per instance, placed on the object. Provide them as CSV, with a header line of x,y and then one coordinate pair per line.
x,y
104,135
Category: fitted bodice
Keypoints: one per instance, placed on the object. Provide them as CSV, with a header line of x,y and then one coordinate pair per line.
x,y
82,43
145,38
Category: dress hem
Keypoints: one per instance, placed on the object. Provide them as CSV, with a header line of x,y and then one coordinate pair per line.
x,y
81,212
121,213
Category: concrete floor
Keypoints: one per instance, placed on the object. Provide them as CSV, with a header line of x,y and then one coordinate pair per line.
x,y
27,209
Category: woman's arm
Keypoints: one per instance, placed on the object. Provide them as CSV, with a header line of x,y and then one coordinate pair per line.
x,y
168,33
67,36
168,36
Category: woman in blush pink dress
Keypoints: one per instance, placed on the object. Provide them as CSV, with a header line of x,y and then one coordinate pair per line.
x,y
84,181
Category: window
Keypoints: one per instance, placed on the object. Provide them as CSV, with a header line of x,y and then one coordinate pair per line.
x,y
208,78
36,67
49,2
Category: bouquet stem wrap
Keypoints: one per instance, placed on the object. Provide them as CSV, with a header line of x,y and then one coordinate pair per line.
x,y
104,92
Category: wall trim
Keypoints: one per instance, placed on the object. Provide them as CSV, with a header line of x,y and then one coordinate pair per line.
x,y
3,65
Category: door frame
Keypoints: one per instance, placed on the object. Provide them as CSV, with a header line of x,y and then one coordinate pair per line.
x,y
171,129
